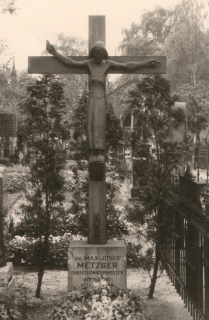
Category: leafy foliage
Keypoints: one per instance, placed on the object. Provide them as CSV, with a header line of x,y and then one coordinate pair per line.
x,y
8,6
134,255
17,180
187,44
23,250
178,116
12,89
74,84
196,97
44,131
181,34
155,24
147,37
135,43
156,156
10,312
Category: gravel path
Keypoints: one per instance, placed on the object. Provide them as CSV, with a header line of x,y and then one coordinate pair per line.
x,y
166,303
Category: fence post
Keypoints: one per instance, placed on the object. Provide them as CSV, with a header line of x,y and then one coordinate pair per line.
x,y
206,267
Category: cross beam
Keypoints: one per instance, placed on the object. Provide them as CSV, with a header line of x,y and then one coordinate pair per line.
x,y
50,65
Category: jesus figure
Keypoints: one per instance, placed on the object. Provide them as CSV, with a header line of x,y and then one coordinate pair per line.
x,y
98,66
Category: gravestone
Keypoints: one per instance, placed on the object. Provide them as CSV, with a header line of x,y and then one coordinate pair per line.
x,y
7,280
89,260
3,212
178,134
8,135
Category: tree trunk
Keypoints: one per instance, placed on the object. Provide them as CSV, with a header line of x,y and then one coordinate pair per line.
x,y
43,253
154,275
40,277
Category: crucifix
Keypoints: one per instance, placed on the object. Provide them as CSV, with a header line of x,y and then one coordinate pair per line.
x,y
97,65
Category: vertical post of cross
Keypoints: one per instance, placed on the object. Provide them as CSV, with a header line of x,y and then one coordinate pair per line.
x,y
96,30
97,233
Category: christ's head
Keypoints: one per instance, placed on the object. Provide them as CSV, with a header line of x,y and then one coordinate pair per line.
x,y
98,52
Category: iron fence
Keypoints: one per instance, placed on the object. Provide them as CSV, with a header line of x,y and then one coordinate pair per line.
x,y
188,254
203,157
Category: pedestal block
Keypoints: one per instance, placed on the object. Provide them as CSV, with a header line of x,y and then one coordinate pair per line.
x,y
87,262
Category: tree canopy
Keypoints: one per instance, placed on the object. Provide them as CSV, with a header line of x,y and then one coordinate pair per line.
x,y
181,34
8,6
74,84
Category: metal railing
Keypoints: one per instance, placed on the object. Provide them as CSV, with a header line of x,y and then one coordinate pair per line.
x,y
188,253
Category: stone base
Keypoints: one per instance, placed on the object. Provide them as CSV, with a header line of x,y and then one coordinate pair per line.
x,y
88,262
7,283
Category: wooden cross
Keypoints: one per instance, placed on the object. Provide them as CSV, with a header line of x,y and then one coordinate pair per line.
x,y
49,65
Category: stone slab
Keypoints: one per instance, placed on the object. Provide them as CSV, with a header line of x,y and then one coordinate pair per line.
x,y
88,262
6,274
3,191
11,286
9,289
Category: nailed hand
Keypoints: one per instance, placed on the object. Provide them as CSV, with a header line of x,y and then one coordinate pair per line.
x,y
50,48
153,63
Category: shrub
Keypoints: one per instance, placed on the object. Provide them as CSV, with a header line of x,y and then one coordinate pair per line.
x,y
69,180
17,177
24,250
134,256
8,312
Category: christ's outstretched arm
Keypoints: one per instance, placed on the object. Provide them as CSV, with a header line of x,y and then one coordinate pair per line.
x,y
66,60
134,65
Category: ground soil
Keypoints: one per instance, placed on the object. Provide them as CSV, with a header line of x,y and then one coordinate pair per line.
x,y
166,304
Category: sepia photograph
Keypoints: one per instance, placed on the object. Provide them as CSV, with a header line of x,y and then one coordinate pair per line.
x,y
104,160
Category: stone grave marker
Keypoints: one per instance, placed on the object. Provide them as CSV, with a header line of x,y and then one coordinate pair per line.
x,y
7,280
8,135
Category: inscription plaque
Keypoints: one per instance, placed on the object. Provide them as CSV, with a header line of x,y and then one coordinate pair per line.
x,y
88,262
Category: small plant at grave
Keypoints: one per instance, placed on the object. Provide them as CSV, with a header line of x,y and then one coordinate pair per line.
x,y
134,256
10,313
14,309
102,301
